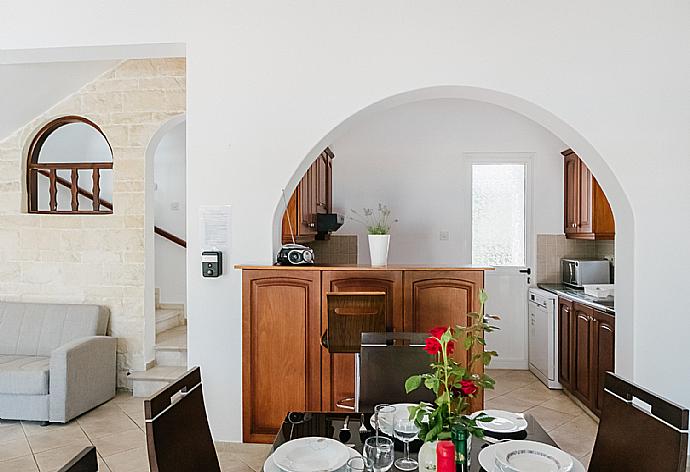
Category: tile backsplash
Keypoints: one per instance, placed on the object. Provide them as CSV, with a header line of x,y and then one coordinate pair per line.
x,y
339,249
551,248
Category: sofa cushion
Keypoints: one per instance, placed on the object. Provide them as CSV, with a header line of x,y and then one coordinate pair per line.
x,y
24,375
35,329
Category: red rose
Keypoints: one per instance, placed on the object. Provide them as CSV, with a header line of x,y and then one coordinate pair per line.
x,y
433,347
467,387
450,347
438,331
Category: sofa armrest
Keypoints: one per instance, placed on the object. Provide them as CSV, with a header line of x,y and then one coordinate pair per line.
x,y
82,376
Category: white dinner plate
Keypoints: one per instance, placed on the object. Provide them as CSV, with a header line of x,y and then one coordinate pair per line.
x,y
270,465
503,421
311,454
487,459
401,411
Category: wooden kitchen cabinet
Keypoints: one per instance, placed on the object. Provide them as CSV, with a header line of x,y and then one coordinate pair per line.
x,y
442,298
587,212
313,195
281,332
338,370
565,328
603,355
586,351
582,384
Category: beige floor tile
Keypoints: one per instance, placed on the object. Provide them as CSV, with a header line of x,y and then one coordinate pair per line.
x,y
11,432
585,460
119,442
563,404
229,462
53,459
102,466
576,437
134,460
14,449
58,438
99,426
32,428
505,402
535,393
23,464
253,455
549,419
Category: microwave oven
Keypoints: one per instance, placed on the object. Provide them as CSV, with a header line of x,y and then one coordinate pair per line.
x,y
579,272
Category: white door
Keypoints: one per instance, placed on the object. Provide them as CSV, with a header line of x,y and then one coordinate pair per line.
x,y
500,204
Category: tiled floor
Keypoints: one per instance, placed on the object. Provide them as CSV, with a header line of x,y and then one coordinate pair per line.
x,y
117,431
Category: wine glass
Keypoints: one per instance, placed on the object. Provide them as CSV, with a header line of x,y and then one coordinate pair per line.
x,y
406,430
360,464
381,452
383,414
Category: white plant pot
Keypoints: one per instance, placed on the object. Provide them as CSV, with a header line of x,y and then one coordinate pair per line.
x,y
378,249
427,457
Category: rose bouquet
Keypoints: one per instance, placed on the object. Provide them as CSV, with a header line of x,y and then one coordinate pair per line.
x,y
452,383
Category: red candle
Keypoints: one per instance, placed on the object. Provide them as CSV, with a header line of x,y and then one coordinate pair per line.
x,y
445,456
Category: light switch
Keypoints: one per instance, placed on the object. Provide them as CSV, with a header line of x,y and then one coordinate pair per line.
x,y
444,236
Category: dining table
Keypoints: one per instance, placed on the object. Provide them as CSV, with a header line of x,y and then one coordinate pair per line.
x,y
330,425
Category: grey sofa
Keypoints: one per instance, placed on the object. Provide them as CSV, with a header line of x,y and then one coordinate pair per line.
x,y
55,361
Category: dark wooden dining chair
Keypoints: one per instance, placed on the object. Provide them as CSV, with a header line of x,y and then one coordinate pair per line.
x,y
85,461
639,430
177,434
349,315
387,360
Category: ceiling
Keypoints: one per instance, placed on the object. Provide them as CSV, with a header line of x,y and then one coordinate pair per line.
x,y
27,90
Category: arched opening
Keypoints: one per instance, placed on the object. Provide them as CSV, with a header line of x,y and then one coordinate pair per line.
x,y
561,131
165,338
69,168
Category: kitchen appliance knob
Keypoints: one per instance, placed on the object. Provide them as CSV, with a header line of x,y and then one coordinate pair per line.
x,y
311,225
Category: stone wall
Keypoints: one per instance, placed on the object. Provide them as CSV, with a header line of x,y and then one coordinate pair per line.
x,y
92,258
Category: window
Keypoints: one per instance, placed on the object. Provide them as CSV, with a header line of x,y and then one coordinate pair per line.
x,y
70,169
498,214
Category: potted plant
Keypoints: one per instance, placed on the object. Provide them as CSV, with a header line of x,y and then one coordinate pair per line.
x,y
453,384
378,226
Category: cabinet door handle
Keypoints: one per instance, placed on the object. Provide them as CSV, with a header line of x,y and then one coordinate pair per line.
x,y
324,339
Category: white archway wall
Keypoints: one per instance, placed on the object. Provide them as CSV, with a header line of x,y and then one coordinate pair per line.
x,y
614,71
171,135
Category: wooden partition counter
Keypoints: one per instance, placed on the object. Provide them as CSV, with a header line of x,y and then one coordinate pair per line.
x,y
285,314
403,267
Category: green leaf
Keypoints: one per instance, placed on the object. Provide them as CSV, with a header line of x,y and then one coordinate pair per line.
x,y
432,383
483,297
413,383
446,336
468,342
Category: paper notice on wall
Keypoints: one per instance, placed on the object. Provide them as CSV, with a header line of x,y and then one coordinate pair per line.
x,y
215,224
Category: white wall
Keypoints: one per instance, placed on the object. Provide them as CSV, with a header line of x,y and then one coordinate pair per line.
x,y
413,158
170,210
609,78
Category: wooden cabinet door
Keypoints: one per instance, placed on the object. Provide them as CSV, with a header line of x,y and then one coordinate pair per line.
x,y
323,183
582,347
565,329
442,298
307,203
338,370
602,356
584,213
571,188
281,355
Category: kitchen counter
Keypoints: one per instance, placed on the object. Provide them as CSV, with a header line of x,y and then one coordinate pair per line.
x,y
577,295
323,267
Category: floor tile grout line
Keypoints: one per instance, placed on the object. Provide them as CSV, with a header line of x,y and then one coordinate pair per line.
x,y
28,443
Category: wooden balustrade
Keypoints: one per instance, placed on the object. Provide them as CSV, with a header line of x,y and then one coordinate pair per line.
x,y
50,170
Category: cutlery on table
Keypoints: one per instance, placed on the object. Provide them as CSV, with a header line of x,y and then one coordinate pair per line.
x,y
344,434
362,427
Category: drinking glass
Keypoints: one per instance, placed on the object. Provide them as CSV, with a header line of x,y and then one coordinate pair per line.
x,y
360,464
380,450
406,431
383,414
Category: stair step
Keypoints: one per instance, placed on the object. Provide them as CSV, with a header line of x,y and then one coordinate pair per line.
x,y
148,382
167,319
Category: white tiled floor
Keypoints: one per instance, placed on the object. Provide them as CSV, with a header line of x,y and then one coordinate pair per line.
x,y
117,431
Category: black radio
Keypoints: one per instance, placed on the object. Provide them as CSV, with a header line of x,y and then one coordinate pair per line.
x,y
295,254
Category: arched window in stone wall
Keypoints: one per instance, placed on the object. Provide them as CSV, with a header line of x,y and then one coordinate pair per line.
x,y
70,169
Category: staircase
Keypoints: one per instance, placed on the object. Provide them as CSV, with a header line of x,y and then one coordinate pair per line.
x,y
171,351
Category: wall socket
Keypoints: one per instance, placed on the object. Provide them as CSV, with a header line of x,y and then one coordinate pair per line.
x,y
444,235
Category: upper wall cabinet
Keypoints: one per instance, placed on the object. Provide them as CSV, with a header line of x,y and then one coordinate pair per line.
x,y
588,214
313,195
